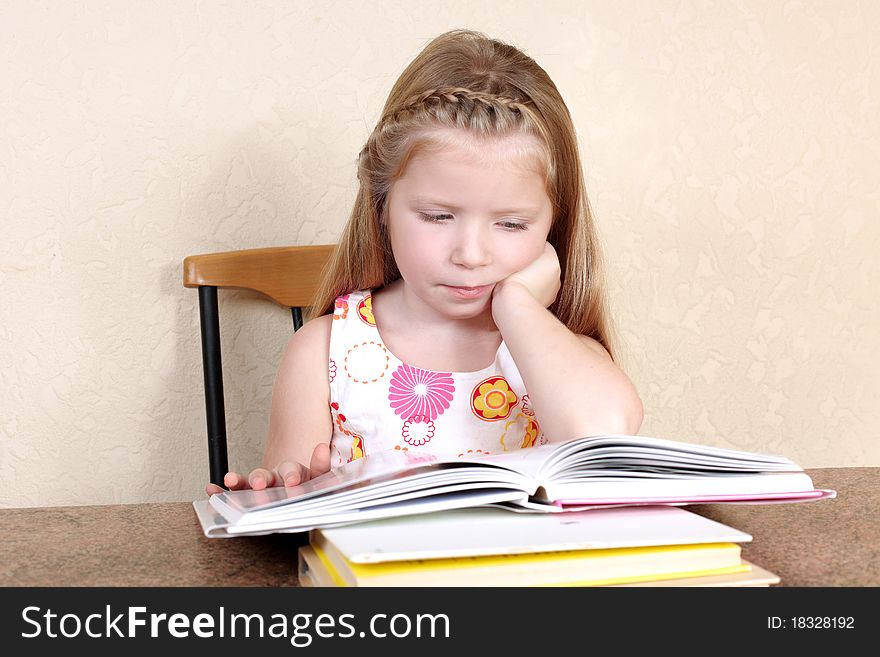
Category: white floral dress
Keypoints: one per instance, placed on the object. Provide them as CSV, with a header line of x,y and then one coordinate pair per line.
x,y
379,403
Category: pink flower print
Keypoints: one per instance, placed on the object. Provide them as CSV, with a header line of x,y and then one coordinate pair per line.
x,y
414,391
415,457
417,430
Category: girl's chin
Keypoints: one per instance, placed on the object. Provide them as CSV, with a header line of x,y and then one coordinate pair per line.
x,y
471,309
451,303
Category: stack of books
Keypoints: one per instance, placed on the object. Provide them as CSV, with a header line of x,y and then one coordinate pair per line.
x,y
599,510
627,546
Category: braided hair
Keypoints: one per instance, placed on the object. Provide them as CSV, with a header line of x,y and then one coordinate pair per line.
x,y
468,82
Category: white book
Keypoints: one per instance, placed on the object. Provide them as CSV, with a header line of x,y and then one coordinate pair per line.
x,y
589,472
489,531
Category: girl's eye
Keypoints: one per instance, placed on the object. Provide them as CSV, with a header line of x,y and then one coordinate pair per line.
x,y
513,225
434,218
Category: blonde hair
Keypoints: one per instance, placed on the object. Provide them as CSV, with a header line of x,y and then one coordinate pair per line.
x,y
465,80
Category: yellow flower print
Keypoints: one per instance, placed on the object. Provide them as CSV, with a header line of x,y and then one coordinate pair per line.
x,y
357,448
365,310
492,399
531,435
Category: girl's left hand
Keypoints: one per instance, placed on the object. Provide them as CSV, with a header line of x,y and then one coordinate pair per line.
x,y
541,277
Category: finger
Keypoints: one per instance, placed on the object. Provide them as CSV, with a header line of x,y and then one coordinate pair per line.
x,y
234,481
262,478
320,462
292,473
213,489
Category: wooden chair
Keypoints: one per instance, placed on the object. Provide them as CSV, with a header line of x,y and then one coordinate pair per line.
x,y
287,275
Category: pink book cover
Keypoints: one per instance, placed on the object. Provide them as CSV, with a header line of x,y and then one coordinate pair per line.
x,y
766,498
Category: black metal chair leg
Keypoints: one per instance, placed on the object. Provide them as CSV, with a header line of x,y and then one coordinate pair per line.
x,y
215,409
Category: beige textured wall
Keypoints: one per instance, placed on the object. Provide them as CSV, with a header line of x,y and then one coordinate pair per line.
x,y
732,153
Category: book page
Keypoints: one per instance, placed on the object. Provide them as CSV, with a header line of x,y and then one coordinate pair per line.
x,y
654,454
386,473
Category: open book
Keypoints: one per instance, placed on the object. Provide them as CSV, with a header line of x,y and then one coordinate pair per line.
x,y
585,473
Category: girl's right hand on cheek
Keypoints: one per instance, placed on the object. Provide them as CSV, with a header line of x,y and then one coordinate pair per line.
x,y
541,277
286,473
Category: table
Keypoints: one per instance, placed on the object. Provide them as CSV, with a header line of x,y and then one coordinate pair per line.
x,y
826,543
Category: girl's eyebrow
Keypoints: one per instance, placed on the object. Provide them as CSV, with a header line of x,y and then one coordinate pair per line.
x,y
423,200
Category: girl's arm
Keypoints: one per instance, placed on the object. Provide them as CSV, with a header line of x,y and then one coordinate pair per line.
x,y
299,423
574,386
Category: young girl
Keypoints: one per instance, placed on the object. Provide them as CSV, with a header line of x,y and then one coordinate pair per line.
x,y
463,312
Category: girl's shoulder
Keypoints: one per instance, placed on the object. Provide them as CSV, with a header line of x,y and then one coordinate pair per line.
x,y
311,343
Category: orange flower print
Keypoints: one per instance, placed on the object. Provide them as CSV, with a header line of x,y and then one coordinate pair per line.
x,y
365,310
357,441
341,422
366,362
340,307
492,399
338,418
531,435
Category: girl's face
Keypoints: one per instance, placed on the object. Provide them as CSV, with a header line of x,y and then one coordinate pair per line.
x,y
464,217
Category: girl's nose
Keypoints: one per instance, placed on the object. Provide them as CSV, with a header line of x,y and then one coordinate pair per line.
x,y
471,248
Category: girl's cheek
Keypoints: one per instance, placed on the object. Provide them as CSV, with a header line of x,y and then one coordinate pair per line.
x,y
533,254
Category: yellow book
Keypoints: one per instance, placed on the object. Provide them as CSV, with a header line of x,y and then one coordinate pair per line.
x,y
754,576
568,568
315,572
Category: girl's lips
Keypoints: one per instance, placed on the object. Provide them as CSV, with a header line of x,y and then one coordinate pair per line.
x,y
468,292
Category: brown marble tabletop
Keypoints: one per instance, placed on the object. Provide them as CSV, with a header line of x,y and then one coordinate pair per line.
x,y
825,543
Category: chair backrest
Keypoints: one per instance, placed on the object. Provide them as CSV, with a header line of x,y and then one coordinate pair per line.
x,y
288,275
